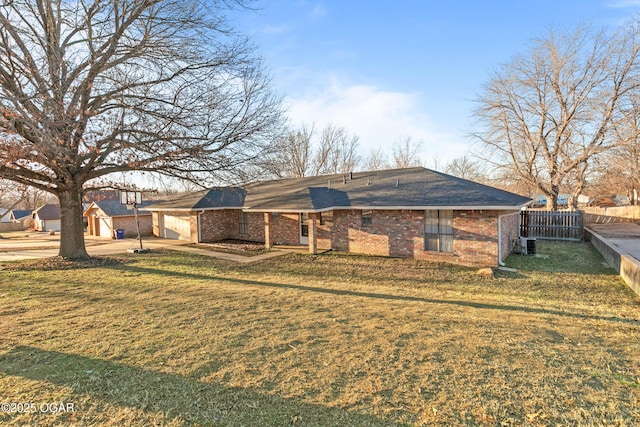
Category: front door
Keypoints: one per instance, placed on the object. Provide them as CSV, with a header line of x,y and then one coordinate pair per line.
x,y
304,229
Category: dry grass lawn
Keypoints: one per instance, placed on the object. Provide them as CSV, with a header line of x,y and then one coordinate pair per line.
x,y
173,339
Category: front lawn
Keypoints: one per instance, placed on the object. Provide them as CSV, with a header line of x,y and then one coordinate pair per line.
x,y
170,338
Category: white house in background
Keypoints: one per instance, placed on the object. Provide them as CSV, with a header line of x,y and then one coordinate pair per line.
x,y
47,218
5,215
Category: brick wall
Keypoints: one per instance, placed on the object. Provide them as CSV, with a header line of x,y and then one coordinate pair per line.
x,y
391,233
401,234
475,240
509,227
225,224
285,228
214,225
256,226
323,230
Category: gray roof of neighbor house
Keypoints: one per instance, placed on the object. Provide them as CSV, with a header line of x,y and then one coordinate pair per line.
x,y
410,188
113,207
48,212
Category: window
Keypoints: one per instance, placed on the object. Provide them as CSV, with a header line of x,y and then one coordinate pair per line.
x,y
366,218
438,231
326,218
243,222
304,224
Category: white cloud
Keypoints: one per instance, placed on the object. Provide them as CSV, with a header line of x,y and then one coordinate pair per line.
x,y
380,118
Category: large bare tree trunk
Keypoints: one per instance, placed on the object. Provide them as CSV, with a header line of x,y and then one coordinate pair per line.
x,y
72,229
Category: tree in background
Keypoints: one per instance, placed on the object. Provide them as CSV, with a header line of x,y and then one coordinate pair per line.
x,y
466,168
299,153
618,171
406,153
337,152
93,87
21,196
377,160
548,113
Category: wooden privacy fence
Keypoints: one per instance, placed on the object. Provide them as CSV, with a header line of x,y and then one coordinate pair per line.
x,y
565,225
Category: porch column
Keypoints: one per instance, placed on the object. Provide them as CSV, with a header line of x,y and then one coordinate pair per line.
x,y
313,233
268,238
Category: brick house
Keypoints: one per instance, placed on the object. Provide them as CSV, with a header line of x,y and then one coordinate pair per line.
x,y
413,212
106,216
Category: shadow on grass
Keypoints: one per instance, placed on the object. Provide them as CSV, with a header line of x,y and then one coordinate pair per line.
x,y
471,304
171,395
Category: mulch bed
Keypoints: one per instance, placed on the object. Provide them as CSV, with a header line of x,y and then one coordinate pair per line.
x,y
60,263
237,245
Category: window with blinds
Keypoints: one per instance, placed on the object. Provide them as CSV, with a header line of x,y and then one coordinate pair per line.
x,y
438,231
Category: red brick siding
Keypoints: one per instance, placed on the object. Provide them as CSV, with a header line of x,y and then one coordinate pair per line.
x,y
214,225
475,238
323,231
285,228
401,234
391,233
256,226
225,224
509,229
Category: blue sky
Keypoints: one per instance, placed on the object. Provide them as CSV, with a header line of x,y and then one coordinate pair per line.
x,y
387,70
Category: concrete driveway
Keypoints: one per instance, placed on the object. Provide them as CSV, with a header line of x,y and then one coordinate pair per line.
x,y
42,245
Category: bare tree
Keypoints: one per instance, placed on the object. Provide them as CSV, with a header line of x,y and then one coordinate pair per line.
x,y
337,151
298,153
466,168
93,87
291,155
377,160
620,168
547,113
406,153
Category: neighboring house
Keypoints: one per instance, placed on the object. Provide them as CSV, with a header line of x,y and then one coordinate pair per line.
x,y
412,212
563,200
105,216
5,215
47,218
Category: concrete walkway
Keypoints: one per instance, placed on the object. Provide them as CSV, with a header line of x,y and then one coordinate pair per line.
x,y
40,246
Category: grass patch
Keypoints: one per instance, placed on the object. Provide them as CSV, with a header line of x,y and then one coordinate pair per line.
x,y
169,338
